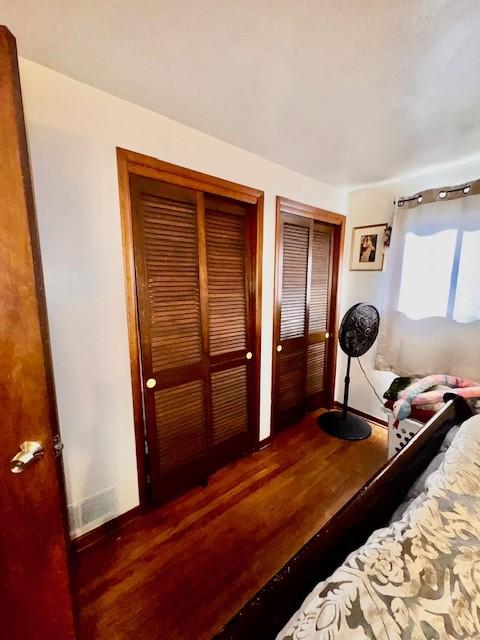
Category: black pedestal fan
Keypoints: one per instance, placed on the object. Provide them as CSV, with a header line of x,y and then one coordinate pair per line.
x,y
358,332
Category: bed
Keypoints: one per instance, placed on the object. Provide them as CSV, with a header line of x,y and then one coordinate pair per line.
x,y
365,597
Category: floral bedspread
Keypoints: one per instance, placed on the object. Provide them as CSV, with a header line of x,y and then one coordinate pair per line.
x,y
420,577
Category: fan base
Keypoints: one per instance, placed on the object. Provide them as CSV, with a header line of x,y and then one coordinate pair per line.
x,y
351,427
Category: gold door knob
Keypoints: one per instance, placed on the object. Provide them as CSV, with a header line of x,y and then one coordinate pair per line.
x,y
249,355
151,383
29,453
327,335
279,347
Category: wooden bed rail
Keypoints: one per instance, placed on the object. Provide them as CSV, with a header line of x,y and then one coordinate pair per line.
x,y
370,508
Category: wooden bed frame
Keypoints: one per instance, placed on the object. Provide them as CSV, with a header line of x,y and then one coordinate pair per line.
x,y
370,508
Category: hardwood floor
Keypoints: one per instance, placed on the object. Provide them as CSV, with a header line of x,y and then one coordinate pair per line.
x,y
184,570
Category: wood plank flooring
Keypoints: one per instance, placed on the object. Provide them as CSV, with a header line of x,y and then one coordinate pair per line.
x,y
182,571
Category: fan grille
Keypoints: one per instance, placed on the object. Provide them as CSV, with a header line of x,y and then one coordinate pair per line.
x,y
359,329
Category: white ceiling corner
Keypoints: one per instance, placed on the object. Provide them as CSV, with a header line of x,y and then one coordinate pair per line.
x,y
349,92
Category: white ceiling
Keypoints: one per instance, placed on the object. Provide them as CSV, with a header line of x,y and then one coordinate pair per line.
x,y
347,91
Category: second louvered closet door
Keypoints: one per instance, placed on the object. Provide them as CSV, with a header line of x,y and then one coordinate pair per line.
x,y
318,314
295,277
191,259
303,308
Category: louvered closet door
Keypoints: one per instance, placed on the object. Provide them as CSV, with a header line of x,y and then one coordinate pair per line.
x,y
294,288
230,331
167,246
304,291
318,314
193,288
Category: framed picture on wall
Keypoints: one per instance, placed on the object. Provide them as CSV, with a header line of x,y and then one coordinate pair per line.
x,y
367,248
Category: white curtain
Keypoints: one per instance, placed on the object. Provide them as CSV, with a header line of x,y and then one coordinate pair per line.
x,y
431,316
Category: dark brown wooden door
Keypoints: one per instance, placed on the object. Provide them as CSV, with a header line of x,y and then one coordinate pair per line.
x,y
305,265
318,333
230,326
194,287
35,597
295,247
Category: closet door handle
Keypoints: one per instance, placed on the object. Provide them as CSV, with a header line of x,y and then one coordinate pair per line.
x,y
151,383
327,335
249,355
279,347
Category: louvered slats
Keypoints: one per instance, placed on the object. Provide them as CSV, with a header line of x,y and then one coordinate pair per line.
x,y
226,282
172,281
291,379
294,281
181,424
193,287
319,291
306,255
229,403
315,368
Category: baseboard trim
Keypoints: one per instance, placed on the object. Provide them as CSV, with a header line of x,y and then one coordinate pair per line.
x,y
105,530
263,444
367,416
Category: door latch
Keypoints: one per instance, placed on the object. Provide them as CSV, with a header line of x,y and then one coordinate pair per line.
x,y
57,445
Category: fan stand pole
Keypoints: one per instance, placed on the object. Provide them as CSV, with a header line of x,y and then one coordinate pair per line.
x,y
343,424
345,391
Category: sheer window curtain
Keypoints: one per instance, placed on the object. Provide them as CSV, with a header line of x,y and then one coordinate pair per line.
x,y
431,316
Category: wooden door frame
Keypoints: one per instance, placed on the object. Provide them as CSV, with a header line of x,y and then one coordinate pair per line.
x,y
338,221
133,163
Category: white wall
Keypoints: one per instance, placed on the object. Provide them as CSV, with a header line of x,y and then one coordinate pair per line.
x,y
371,206
73,131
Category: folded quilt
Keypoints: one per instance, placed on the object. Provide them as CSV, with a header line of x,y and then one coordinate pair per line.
x,y
418,578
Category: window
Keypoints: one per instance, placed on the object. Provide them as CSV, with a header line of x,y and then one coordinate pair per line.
x,y
467,298
440,276
426,274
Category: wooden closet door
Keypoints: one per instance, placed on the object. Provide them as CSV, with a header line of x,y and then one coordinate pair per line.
x,y
194,288
230,328
319,313
294,288
305,269
174,343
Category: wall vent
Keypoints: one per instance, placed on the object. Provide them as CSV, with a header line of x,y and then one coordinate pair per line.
x,y
95,509
73,517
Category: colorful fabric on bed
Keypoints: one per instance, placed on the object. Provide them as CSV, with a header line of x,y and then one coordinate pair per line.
x,y
420,577
417,392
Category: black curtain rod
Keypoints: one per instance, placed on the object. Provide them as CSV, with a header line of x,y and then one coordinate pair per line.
x,y
434,195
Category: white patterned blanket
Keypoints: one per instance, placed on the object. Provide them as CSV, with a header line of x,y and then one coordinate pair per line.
x,y
420,577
